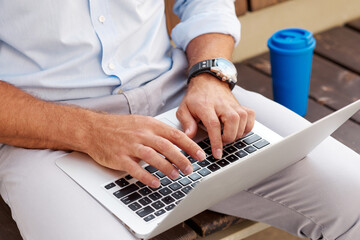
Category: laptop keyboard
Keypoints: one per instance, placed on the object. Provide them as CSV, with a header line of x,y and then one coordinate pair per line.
x,y
149,203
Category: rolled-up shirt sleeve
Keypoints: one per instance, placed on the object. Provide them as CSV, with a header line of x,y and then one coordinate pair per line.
x,y
204,16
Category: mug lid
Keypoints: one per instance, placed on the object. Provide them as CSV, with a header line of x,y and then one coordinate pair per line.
x,y
292,38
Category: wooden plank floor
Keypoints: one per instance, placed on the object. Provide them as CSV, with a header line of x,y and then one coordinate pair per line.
x,y
335,83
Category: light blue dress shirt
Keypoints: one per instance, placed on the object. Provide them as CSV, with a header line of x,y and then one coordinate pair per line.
x,y
60,50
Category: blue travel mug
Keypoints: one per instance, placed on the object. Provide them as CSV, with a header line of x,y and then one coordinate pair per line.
x,y
291,52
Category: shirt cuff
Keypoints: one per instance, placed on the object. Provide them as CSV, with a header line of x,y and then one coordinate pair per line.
x,y
205,22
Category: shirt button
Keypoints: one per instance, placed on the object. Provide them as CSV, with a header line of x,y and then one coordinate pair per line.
x,y
111,66
102,19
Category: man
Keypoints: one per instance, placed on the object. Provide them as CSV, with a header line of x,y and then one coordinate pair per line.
x,y
82,76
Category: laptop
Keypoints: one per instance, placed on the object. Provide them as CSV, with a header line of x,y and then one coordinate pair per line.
x,y
147,212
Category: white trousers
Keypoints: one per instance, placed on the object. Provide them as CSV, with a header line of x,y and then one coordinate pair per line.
x,y
317,198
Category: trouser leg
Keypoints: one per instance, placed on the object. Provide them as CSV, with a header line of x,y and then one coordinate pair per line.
x,y
316,198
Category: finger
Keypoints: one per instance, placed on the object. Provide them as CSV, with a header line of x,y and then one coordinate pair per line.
x,y
182,141
243,121
187,121
135,170
166,148
212,123
154,159
231,120
250,120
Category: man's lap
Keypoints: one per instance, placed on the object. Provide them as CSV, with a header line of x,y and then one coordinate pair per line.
x,y
47,204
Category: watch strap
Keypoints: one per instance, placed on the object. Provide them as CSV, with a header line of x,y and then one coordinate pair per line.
x,y
205,67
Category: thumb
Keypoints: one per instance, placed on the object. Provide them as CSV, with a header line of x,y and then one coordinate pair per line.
x,y
187,121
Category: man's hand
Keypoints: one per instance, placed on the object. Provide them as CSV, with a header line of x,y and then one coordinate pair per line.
x,y
121,141
114,141
210,101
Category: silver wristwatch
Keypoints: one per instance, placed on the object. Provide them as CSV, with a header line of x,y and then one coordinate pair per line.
x,y
219,67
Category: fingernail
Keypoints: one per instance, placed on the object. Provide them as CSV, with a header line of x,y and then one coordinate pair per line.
x,y
188,170
187,131
155,183
174,174
201,155
218,153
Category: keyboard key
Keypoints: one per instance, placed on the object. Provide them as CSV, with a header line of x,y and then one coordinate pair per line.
x,y
122,182
222,163
252,139
110,185
165,181
157,205
178,195
212,159
207,141
213,167
155,196
186,189
241,154
194,184
131,198
148,218
128,177
170,207
208,151
192,160
155,189
203,172
239,145
160,174
140,184
168,200
250,149
185,181
247,135
203,144
260,144
230,149
203,163
232,158
145,191
134,206
175,186
195,167
145,201
160,212
194,176
165,191
145,211
150,169
125,191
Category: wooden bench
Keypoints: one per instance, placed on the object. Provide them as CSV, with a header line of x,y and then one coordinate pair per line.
x,y
335,82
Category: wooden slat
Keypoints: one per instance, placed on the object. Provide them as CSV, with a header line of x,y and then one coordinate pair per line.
x,y
253,80
355,24
348,133
340,45
259,4
171,18
209,222
8,228
241,7
179,232
333,85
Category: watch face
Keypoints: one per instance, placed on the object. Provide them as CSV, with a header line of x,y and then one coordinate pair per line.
x,y
226,68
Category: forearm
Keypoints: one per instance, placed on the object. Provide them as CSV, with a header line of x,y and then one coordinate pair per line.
x,y
208,46
32,123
